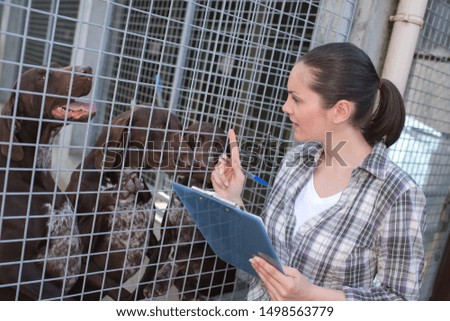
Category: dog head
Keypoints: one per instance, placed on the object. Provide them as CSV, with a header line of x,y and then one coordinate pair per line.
x,y
45,93
146,137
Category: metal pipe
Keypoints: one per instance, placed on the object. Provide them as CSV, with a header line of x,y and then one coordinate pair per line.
x,y
407,24
182,54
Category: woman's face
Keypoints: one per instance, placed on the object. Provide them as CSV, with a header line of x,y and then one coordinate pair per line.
x,y
310,121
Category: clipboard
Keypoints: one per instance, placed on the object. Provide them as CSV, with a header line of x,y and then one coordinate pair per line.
x,y
234,235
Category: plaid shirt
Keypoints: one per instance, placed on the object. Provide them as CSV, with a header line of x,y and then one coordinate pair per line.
x,y
370,244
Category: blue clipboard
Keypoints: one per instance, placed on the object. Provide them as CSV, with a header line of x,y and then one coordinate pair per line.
x,y
233,234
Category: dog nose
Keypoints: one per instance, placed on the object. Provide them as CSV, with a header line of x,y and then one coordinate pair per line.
x,y
185,160
85,70
198,164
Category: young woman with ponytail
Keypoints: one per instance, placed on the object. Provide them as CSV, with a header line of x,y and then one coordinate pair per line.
x,y
346,222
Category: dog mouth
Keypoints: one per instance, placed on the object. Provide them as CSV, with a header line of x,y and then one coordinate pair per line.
x,y
74,111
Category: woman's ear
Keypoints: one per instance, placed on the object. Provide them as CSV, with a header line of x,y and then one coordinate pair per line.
x,y
342,111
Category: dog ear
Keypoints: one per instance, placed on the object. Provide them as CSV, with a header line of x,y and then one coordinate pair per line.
x,y
54,65
111,155
6,127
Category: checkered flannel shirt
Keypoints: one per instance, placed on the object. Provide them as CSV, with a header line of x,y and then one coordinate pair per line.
x,y
370,244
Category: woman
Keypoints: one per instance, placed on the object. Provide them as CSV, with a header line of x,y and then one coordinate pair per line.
x,y
346,222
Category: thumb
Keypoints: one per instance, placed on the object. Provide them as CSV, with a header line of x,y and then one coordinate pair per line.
x,y
290,271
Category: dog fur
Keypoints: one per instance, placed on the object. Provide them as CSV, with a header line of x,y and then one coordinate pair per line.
x,y
188,262
39,245
143,138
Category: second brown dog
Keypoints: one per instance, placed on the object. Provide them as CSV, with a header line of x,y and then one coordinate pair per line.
x,y
146,137
187,261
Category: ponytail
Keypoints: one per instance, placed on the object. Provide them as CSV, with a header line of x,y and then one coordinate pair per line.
x,y
343,71
388,118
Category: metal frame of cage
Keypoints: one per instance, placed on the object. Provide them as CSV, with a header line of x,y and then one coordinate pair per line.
x,y
219,62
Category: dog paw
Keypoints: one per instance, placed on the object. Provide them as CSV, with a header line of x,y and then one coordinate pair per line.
x,y
131,184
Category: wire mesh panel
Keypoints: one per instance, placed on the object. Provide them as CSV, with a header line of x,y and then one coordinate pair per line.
x,y
424,147
41,27
97,218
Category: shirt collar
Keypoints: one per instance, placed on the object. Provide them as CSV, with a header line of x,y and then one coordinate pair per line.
x,y
377,161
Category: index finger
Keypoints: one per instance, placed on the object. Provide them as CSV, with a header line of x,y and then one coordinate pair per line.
x,y
234,148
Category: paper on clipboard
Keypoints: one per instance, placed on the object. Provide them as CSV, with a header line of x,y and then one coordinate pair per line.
x,y
233,234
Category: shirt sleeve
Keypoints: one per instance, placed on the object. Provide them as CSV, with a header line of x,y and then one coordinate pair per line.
x,y
401,252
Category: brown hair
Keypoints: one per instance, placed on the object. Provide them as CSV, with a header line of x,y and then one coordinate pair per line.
x,y
343,71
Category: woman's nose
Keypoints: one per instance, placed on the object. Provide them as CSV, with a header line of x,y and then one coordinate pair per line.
x,y
285,108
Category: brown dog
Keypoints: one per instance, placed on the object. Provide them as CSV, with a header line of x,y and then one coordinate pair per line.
x,y
122,230
39,247
187,261
147,137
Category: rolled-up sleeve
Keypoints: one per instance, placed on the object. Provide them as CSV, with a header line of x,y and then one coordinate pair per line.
x,y
401,252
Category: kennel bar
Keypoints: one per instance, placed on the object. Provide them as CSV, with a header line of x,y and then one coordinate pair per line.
x,y
223,62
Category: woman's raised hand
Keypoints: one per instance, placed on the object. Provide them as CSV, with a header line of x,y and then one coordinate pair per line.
x,y
227,177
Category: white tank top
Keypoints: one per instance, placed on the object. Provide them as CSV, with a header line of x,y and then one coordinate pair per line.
x,y
308,203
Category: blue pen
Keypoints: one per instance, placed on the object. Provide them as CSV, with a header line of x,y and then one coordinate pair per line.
x,y
255,177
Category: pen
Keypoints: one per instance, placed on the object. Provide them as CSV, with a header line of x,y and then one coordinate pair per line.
x,y
255,177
